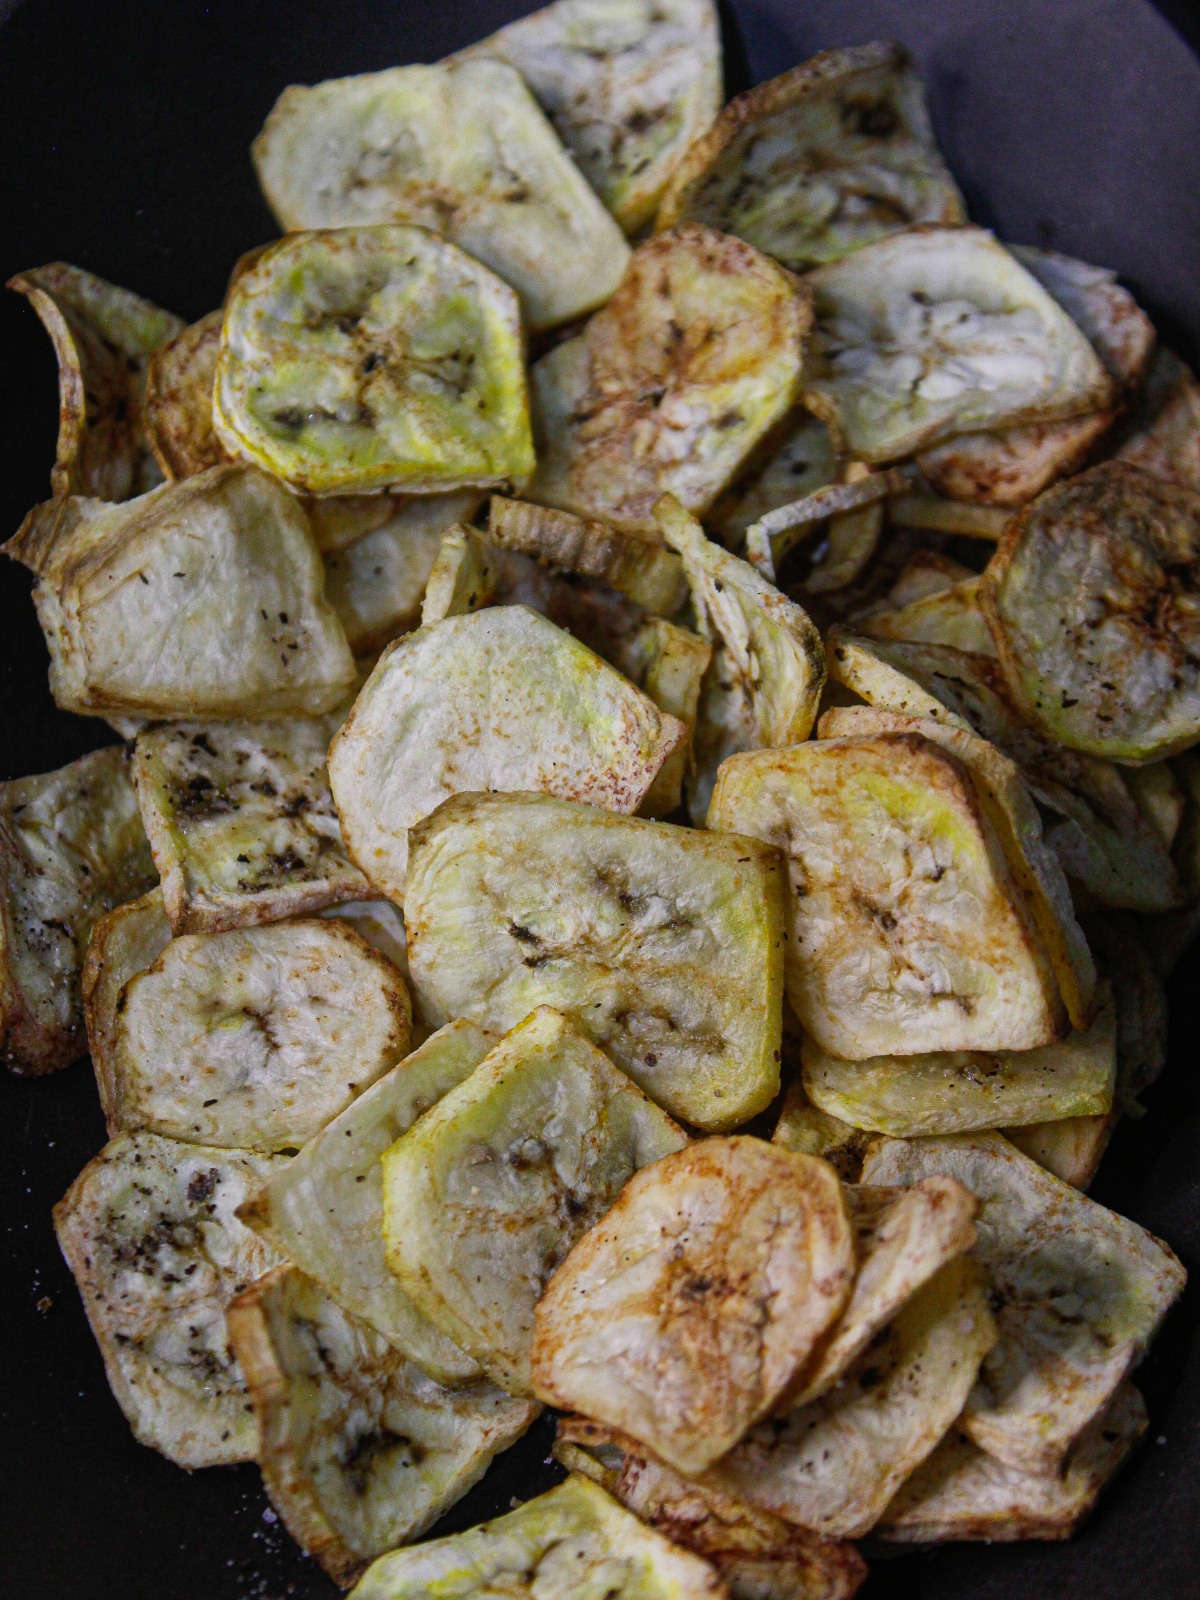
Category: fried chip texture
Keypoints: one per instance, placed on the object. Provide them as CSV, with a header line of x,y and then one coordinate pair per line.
x,y
667,663
138,602
1079,1293
486,1193
811,1132
461,148
178,400
627,86
123,942
672,384
683,1315
833,155
324,1210
360,1451
150,1232
664,945
794,461
1163,436
256,1037
947,616
940,331
496,700
103,337
572,1543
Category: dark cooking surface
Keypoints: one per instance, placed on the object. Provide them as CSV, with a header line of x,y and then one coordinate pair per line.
x,y
123,142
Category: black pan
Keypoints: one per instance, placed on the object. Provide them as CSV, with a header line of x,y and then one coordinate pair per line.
x,y
124,126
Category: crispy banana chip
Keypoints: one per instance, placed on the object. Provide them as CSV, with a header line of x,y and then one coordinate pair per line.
x,y
360,359
324,1210
1163,436
178,401
464,577
1116,326
802,1127
924,574
360,1451
668,664
686,1312
571,1543
1092,603
939,331
670,387
149,1231
256,1037
461,148
832,1466
910,930
852,505
103,337
791,464
484,1196
1079,1293
1071,1149
962,1493
664,945
919,508
71,848
1160,796
833,155
139,602
961,1090
123,943
949,616
497,700
627,85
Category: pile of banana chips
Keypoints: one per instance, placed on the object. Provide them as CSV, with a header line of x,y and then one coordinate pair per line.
x,y
634,622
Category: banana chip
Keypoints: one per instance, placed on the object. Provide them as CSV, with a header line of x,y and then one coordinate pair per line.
x,y
256,1037
1078,1294
1092,605
833,1466
668,664
664,945
805,1129
103,337
498,700
1070,1149
845,506
962,1493
924,574
123,943
685,1313
669,387
940,331
485,1195
461,148
1163,436
919,508
791,464
71,848
948,616
150,1232
464,577
812,165
138,602
628,86
571,1543
1160,796
324,1210
360,1451
178,400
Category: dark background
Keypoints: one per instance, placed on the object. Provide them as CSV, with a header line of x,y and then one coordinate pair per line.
x,y
124,129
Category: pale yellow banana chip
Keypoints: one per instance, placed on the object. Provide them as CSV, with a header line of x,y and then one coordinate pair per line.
x,y
1071,1149
668,664
360,1451
853,504
1163,435
684,1314
949,616
793,462
924,574
486,1193
921,509
123,943
663,944
464,577
178,400
811,1132
150,1232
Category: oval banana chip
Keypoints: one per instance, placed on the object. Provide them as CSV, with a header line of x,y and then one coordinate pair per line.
x,y
461,148
178,401
123,943
360,359
685,1313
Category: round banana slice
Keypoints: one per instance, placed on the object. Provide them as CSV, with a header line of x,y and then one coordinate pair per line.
x,y
178,403
1093,599
360,359
684,1314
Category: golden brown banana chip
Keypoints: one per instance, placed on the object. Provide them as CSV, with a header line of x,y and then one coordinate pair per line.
x,y
1092,604
668,664
178,400
962,1493
669,387
360,1451
834,154
793,462
572,1543
684,1314
256,1037
241,821
1163,433
359,359
496,700
103,337
1078,1293
663,944
71,848
150,1232
324,1210
487,1192
802,1127
123,943
628,86
138,602
833,1466
461,148
937,332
